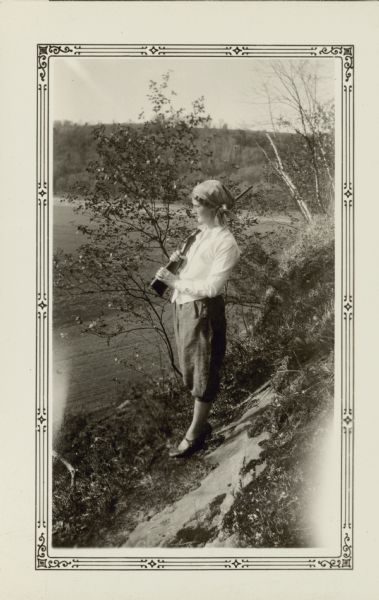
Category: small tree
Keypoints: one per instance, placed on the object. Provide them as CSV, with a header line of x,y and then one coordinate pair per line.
x,y
135,204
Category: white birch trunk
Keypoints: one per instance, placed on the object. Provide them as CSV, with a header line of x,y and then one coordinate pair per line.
x,y
278,165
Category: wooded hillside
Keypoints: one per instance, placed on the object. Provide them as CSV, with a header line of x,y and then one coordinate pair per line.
x,y
236,155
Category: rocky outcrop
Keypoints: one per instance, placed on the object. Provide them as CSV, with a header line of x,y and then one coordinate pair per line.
x,y
196,518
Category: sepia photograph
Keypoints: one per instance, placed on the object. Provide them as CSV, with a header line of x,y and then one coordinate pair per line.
x,y
193,278
188,299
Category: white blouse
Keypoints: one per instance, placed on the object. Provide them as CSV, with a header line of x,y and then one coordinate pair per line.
x,y
209,263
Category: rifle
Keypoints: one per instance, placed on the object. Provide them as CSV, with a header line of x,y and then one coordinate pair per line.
x,y
174,266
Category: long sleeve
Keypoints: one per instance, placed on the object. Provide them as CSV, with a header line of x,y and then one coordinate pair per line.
x,y
226,255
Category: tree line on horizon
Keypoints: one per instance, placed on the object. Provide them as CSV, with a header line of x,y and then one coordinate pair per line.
x,y
233,154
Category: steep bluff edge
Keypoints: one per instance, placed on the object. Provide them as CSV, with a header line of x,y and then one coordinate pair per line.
x,y
196,518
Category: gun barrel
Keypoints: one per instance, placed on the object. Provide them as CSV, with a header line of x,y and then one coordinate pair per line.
x,y
244,192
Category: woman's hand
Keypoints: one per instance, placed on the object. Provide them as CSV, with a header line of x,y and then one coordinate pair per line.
x,y
168,278
176,256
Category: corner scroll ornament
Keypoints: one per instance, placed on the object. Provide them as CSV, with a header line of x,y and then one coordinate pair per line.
x,y
44,562
346,54
345,561
44,51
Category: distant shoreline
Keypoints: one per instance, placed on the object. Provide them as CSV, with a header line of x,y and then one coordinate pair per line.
x,y
277,216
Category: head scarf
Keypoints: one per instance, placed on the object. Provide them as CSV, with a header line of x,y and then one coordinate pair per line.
x,y
213,194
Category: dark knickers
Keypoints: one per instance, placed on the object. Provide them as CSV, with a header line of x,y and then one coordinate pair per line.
x,y
200,333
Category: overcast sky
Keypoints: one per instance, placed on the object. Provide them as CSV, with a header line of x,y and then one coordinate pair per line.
x,y
106,90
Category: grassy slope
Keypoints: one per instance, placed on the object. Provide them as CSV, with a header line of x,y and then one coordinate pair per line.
x,y
295,336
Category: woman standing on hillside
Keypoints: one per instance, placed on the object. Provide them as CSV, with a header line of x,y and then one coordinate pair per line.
x,y
199,308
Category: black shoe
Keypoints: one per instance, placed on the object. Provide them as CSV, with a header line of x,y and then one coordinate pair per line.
x,y
192,445
190,448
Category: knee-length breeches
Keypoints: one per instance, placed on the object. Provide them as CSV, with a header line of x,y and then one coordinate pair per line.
x,y
200,333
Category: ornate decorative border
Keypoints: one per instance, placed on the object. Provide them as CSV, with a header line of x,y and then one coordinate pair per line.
x,y
43,557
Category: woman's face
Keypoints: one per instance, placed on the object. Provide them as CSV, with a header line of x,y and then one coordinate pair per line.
x,y
205,215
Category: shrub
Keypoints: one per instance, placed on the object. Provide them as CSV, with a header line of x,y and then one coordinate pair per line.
x,y
297,319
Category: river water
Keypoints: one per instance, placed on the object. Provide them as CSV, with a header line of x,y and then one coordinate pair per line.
x,y
89,373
